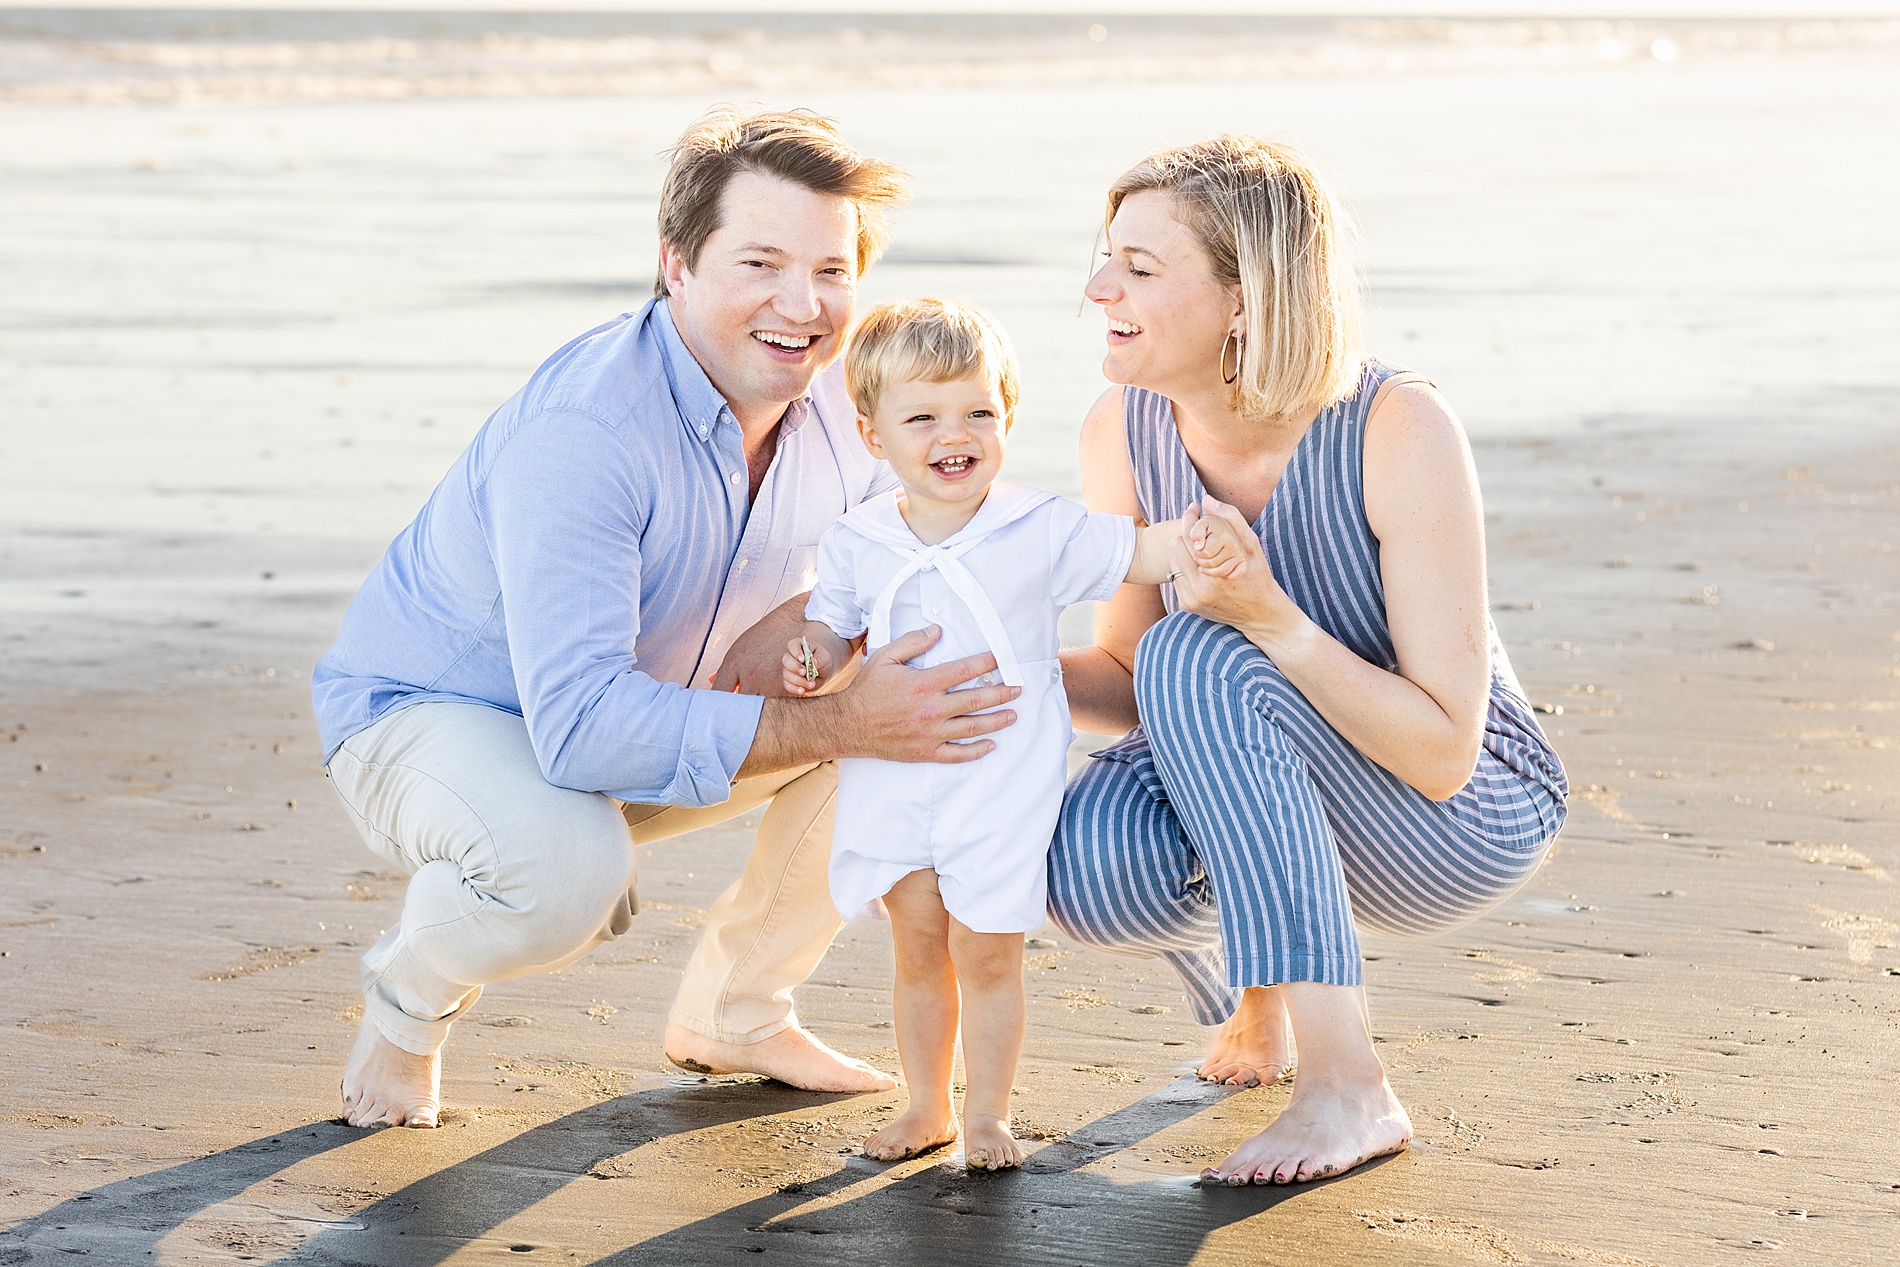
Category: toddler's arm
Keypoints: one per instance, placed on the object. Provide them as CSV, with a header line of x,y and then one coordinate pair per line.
x,y
828,653
1150,565
1211,543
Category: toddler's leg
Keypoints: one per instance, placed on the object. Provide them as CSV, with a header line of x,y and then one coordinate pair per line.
x,y
989,966
924,1001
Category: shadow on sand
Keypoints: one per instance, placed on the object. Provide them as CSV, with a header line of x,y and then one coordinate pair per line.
x,y
1058,1209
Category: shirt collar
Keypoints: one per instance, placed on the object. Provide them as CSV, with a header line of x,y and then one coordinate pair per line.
x,y
699,402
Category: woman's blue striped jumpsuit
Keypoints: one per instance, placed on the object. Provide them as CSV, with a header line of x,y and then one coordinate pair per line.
x,y
1235,833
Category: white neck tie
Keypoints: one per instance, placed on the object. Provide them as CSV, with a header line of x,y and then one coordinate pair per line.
x,y
948,562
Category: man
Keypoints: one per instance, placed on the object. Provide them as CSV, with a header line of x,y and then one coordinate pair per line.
x,y
525,688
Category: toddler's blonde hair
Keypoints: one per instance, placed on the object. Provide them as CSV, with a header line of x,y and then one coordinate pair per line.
x,y
928,340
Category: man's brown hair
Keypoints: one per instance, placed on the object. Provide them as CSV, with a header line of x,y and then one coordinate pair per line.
x,y
795,145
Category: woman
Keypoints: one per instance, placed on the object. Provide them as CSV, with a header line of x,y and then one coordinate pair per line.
x,y
1333,732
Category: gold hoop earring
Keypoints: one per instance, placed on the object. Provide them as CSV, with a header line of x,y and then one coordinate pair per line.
x,y
1232,339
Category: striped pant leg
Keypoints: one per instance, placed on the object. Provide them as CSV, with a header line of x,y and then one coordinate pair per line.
x,y
1298,830
1123,878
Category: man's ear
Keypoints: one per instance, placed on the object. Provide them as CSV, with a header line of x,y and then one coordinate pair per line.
x,y
868,434
672,268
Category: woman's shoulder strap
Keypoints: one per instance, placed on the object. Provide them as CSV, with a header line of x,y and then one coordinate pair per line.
x,y
1379,379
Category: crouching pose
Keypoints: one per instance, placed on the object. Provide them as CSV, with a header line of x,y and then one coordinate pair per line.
x,y
541,673
1329,734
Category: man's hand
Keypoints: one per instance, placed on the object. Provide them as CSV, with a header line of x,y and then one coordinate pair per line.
x,y
891,711
751,666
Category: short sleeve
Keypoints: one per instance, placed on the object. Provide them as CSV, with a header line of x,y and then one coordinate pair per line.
x,y
834,599
1089,554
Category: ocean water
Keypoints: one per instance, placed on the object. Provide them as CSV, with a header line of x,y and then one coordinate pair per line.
x,y
266,274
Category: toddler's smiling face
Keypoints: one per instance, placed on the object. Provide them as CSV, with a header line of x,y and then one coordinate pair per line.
x,y
944,441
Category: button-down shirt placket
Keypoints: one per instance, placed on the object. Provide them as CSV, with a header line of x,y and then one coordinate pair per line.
x,y
750,580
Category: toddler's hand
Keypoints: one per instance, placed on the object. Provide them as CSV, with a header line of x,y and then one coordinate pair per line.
x,y
807,668
1215,546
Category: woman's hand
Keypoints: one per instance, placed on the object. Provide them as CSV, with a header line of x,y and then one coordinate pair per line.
x,y
1247,597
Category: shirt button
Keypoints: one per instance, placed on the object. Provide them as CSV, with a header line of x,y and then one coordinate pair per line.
x,y
702,429
936,611
742,563
734,477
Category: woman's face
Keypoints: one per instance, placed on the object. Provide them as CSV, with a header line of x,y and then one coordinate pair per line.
x,y
1167,313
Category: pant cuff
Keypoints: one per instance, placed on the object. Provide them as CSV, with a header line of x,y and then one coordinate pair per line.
x,y
385,990
1243,973
414,1035
738,1038
1208,994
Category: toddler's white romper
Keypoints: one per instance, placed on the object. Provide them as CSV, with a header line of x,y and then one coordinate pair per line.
x,y
997,585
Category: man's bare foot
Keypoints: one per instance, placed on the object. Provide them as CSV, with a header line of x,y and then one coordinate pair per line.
x,y
383,1085
1254,1047
1325,1130
916,1130
793,1056
988,1145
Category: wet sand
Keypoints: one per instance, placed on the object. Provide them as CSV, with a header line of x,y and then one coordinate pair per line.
x,y
1677,1045
1670,1045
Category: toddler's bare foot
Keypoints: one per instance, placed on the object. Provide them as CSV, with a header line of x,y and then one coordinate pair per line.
x,y
794,1056
1325,1130
383,1085
916,1130
1254,1047
988,1145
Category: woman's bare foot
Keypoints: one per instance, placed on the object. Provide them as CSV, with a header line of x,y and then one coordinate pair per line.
x,y
383,1085
988,1145
793,1056
1326,1129
916,1130
1254,1047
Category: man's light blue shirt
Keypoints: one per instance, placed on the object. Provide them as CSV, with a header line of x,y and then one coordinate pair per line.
x,y
588,560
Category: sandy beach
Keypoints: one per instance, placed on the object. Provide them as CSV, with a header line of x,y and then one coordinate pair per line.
x,y
243,333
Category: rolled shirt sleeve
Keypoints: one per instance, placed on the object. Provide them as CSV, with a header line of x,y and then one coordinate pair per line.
x,y
563,523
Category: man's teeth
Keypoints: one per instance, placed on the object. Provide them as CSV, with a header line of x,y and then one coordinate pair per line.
x,y
796,342
1123,327
953,466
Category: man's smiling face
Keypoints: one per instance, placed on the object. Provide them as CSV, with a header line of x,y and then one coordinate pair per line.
x,y
769,301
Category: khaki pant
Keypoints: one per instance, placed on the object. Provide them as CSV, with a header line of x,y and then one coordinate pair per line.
x,y
511,876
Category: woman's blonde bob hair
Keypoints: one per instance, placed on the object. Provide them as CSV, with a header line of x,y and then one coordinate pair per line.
x,y
932,341
1270,226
